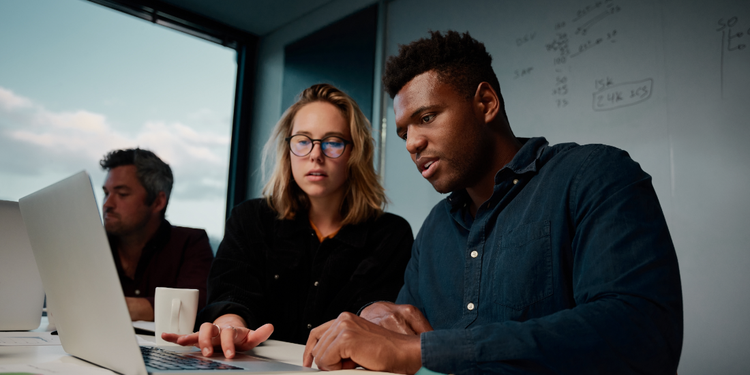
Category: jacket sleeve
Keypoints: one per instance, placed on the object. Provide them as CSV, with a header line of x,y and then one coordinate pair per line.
x,y
379,276
627,316
234,282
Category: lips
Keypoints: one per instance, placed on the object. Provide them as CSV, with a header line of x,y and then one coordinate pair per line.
x,y
427,166
315,175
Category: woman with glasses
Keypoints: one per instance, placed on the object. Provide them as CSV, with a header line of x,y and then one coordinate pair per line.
x,y
317,244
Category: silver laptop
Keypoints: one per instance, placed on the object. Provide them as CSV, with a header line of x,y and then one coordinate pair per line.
x,y
21,292
79,276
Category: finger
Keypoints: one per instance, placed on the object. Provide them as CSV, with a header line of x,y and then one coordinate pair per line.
x,y
327,352
416,320
325,339
312,340
227,336
396,323
253,338
420,326
206,336
171,337
348,364
329,356
184,340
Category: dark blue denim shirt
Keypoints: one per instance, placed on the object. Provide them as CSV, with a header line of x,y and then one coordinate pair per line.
x,y
568,268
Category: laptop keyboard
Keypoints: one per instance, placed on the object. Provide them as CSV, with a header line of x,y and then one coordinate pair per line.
x,y
165,360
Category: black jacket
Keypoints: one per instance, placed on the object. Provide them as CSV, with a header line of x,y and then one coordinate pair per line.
x,y
276,271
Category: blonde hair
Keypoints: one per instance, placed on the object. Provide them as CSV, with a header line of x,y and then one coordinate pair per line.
x,y
364,197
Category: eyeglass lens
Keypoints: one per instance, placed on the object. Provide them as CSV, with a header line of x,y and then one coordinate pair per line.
x,y
302,145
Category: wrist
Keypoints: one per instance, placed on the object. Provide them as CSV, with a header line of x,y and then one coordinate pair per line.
x,y
233,320
411,354
363,308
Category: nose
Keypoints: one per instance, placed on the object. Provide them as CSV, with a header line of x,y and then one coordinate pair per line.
x,y
108,202
415,143
316,154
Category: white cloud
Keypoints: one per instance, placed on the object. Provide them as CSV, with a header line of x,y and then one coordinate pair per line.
x,y
80,120
10,101
34,141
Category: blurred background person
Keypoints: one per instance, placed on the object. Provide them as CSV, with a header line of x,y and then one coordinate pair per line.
x,y
148,251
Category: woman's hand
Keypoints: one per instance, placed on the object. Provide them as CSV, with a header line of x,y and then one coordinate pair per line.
x,y
228,332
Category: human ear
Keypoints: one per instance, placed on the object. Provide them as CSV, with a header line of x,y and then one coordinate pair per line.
x,y
486,102
160,202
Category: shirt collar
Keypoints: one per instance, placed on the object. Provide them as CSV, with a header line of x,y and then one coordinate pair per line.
x,y
158,241
525,161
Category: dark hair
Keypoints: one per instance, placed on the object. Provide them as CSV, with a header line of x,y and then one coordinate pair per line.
x,y
459,60
154,174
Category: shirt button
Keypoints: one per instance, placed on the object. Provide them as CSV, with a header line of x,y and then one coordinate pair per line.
x,y
137,292
515,181
275,277
474,254
315,283
309,326
470,306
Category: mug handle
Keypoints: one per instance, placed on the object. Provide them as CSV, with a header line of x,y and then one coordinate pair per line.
x,y
175,321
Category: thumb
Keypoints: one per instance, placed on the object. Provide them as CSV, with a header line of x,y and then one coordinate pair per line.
x,y
259,335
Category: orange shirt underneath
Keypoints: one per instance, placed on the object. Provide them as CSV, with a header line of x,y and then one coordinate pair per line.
x,y
320,236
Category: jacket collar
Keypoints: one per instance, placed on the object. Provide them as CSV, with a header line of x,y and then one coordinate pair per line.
x,y
353,235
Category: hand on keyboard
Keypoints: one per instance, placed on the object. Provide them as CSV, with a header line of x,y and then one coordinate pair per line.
x,y
227,333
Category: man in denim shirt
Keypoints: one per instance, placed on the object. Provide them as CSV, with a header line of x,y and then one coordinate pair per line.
x,y
544,259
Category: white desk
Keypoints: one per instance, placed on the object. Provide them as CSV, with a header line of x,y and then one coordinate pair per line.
x,y
276,350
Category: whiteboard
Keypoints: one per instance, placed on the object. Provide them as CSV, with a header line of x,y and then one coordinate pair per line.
x,y
669,82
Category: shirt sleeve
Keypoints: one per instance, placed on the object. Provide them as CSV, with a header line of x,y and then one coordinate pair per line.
x,y
409,293
196,257
627,315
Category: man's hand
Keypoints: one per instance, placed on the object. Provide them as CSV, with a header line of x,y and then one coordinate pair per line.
x,y
405,319
140,309
227,332
350,341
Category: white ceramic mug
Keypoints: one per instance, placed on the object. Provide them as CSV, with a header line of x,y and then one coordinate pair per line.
x,y
174,312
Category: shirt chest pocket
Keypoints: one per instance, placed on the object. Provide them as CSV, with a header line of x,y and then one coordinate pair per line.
x,y
522,266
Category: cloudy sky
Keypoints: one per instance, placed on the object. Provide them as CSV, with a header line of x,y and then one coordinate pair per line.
x,y
78,80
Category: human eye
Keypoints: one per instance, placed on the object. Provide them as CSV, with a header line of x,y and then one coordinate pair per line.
x,y
427,118
401,132
333,142
302,141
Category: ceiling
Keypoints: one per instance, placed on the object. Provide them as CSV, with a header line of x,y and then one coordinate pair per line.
x,y
258,17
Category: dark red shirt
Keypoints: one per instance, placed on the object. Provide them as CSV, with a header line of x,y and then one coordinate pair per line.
x,y
176,257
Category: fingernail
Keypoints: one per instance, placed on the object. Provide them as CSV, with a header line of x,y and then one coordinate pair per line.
x,y
205,351
229,353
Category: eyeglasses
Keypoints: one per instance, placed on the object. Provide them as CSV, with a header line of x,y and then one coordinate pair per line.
x,y
302,145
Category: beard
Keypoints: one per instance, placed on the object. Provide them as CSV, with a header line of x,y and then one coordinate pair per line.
x,y
465,166
118,227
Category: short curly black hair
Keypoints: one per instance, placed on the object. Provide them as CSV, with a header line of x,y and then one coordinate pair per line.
x,y
459,60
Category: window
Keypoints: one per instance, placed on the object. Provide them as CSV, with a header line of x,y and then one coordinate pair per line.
x,y
78,80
